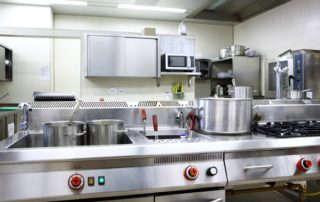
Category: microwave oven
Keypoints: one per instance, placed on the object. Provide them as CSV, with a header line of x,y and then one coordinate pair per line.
x,y
177,63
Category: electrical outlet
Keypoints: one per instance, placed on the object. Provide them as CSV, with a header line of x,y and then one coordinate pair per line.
x,y
113,91
121,91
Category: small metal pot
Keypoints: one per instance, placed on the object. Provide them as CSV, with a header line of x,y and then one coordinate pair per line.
x,y
224,115
297,94
237,50
104,131
224,53
241,92
63,133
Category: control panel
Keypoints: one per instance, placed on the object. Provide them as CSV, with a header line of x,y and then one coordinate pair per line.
x,y
298,72
191,172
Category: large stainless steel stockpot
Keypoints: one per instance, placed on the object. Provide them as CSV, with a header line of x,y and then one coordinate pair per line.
x,y
237,50
63,133
224,115
104,131
241,92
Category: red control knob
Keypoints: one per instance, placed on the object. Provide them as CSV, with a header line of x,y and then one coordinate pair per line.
x,y
76,181
304,164
191,173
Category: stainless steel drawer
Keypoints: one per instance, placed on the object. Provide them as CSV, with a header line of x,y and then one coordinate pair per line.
x,y
206,196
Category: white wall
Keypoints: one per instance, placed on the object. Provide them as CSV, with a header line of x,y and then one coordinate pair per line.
x,y
29,54
294,25
209,38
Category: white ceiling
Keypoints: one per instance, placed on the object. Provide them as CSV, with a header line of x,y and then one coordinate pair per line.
x,y
204,11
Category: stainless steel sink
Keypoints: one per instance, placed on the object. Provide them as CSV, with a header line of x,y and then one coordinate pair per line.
x,y
176,135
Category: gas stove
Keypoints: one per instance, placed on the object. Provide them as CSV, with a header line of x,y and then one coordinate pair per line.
x,y
289,129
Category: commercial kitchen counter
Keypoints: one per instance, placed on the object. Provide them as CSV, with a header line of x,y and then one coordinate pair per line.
x,y
143,147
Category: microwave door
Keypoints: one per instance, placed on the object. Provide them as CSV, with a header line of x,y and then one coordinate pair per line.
x,y
177,61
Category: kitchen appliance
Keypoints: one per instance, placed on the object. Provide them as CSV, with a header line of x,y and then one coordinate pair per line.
x,y
224,115
146,171
5,63
104,132
303,68
176,62
204,67
63,133
289,129
238,50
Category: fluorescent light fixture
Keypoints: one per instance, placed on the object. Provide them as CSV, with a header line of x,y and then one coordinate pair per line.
x,y
50,2
152,8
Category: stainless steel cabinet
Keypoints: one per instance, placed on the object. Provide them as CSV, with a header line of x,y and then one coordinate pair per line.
x,y
120,56
139,199
206,196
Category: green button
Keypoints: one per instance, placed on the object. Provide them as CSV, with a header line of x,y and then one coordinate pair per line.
x,y
101,180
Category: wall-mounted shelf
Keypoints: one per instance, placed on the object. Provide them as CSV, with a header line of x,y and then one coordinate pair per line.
x,y
189,74
182,73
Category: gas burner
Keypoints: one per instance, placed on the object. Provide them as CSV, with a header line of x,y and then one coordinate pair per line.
x,y
289,129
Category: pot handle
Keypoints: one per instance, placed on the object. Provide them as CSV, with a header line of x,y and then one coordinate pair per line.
x,y
246,49
121,131
80,134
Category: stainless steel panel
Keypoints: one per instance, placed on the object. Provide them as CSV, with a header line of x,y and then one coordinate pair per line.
x,y
54,185
118,55
171,176
251,166
205,196
140,57
133,199
286,112
270,166
2,63
105,56
246,72
311,62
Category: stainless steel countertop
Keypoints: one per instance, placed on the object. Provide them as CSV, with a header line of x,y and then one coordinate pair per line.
x,y
249,142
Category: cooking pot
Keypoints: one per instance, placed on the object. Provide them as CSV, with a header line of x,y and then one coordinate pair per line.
x,y
297,94
224,53
224,115
104,131
237,50
241,92
63,133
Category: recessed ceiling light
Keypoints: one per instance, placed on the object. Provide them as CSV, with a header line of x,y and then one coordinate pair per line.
x,y
50,2
152,8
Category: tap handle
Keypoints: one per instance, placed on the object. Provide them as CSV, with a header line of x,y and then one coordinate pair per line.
x,y
143,115
192,119
155,122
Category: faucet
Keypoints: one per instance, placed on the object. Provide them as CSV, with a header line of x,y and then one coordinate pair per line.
x,y
25,118
180,119
277,69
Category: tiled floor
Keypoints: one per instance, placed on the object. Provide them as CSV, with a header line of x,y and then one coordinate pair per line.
x,y
258,197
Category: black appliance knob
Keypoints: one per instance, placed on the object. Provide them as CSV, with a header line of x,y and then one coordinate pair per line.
x,y
212,171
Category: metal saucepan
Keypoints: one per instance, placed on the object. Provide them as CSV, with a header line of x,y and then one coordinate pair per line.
x,y
238,50
104,131
240,91
224,53
224,115
297,94
63,133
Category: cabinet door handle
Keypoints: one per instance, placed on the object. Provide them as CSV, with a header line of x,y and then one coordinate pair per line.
x,y
266,167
